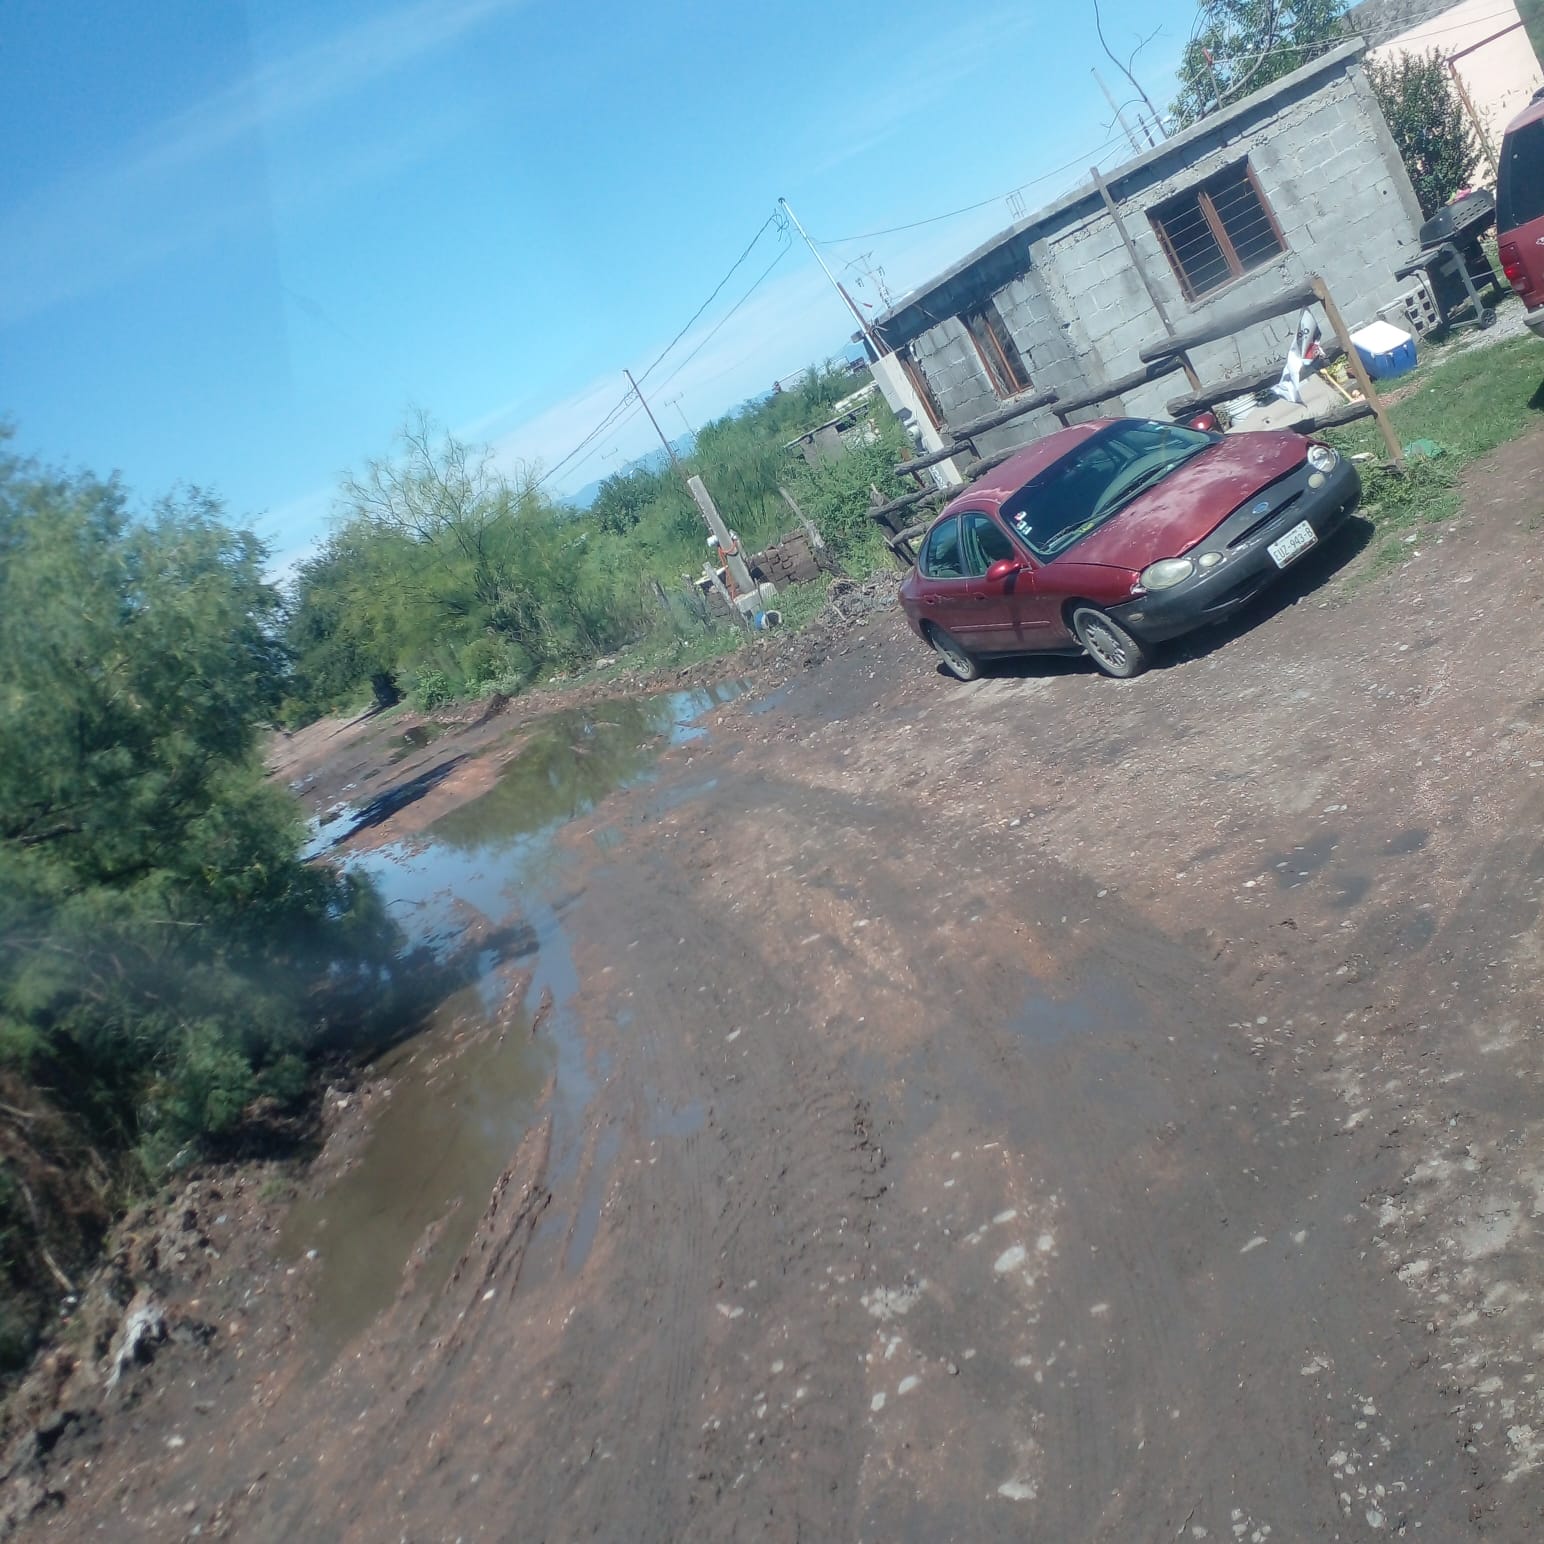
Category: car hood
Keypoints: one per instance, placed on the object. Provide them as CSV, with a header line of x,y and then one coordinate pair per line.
x,y
1191,502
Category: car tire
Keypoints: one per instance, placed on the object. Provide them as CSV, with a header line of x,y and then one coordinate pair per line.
x,y
1109,645
961,664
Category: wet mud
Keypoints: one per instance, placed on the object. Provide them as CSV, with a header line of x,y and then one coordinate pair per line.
x,y
937,1125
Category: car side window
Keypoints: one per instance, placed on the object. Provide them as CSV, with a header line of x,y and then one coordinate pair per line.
x,y
941,558
985,543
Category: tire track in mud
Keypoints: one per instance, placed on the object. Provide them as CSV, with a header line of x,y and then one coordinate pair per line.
x,y
771,1187
1194,1314
847,974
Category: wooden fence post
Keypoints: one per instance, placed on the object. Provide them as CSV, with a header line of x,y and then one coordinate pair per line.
x,y
1359,370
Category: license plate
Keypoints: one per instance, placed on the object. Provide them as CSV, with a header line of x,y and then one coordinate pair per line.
x,y
1296,542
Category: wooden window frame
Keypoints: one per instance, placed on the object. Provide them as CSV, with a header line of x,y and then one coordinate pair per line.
x,y
1006,372
919,384
1202,196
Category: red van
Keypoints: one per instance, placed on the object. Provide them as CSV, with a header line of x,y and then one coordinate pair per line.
x,y
1520,209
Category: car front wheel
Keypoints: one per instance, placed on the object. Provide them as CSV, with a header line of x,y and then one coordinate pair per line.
x,y
961,665
1109,645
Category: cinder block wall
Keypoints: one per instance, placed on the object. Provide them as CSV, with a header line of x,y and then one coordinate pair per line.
x,y
1331,175
1078,310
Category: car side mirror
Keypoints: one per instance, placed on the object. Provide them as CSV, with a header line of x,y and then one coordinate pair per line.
x,y
1005,568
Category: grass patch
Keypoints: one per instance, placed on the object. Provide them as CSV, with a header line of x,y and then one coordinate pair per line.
x,y
800,604
1466,405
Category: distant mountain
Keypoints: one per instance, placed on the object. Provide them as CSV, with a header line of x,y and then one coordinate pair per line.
x,y
655,461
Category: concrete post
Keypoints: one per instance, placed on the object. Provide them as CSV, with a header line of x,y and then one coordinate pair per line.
x,y
735,563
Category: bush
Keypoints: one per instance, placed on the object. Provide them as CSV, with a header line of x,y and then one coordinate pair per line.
x,y
163,950
1427,120
432,689
837,495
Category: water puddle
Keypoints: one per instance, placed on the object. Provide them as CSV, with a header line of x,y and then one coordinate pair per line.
x,y
484,876
463,1097
772,700
1096,1006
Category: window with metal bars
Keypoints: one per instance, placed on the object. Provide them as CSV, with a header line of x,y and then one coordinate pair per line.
x,y
1218,231
999,353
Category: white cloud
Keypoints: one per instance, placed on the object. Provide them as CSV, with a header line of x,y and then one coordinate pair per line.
x,y
156,196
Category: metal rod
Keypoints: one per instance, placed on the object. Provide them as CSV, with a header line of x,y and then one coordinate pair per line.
x,y
857,316
675,460
1479,123
1147,283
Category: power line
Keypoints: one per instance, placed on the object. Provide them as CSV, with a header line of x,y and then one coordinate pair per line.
x,y
587,448
782,252
933,219
592,436
595,448
775,218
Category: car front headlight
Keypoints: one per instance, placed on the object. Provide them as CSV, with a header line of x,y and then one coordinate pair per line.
x,y
1166,573
1322,459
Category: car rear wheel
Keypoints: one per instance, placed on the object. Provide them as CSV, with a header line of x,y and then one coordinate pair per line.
x,y
957,661
1109,645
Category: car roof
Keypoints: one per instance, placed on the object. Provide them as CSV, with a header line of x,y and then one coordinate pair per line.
x,y
1004,480
1530,114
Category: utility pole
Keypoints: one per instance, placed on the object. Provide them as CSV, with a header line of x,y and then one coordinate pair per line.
x,y
1119,117
675,402
704,500
868,332
727,545
675,460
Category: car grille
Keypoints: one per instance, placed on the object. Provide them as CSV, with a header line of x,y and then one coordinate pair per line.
x,y
1266,519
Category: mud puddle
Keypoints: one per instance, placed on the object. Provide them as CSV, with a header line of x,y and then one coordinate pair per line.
x,y
484,880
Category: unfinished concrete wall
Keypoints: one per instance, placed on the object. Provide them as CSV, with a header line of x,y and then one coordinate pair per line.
x,y
1326,166
954,370
1077,308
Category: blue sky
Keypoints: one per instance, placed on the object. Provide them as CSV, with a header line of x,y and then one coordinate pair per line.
x,y
238,242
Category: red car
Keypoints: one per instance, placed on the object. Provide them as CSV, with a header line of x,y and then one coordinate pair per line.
x,y
1520,209
1109,537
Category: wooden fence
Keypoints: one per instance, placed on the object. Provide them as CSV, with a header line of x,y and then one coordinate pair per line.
x,y
1166,356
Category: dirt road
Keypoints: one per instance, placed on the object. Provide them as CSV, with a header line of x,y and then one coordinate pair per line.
x,y
1052,1108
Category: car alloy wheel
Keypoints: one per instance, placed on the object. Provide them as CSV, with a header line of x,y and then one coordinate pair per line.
x,y
1109,645
956,661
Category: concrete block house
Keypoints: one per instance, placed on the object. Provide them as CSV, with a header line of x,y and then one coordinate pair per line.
x,y
1302,177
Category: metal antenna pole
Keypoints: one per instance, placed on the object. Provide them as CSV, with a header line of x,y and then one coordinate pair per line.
x,y
857,316
675,460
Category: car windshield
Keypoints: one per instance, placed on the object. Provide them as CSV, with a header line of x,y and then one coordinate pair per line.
x,y
1096,480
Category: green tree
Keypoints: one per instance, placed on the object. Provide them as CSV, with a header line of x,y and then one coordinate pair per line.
x,y
161,944
452,577
1427,120
622,499
1239,46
